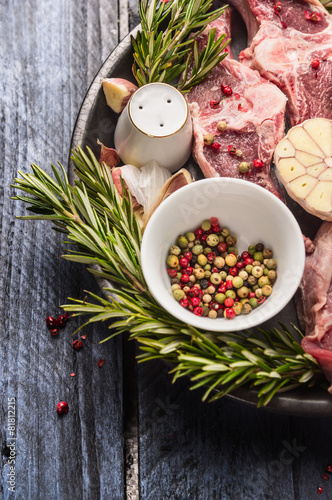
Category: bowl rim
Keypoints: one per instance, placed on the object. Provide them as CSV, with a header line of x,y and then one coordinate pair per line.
x,y
221,324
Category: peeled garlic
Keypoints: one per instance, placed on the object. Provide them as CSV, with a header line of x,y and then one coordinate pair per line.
x,y
304,165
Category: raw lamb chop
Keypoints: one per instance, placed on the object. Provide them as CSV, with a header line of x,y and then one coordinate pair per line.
x,y
254,115
316,292
287,49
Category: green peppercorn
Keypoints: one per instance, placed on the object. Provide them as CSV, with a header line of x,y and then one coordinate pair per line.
x,y
237,306
222,126
206,310
223,275
220,298
272,275
246,308
267,253
251,250
182,241
221,238
175,250
249,268
244,301
215,278
237,282
212,240
207,250
231,294
231,240
257,272
265,271
172,261
238,153
254,288
258,293
208,139
178,294
201,259
258,256
243,292
199,273
190,236
224,232
264,280
219,262
267,290
271,264
197,249
207,267
252,280
175,286
243,274
231,260
244,167
207,274
206,225
233,250
253,302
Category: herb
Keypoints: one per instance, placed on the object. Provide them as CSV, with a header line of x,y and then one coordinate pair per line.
x,y
162,55
327,4
104,231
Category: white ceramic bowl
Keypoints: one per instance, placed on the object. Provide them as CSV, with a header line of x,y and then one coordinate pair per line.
x,y
253,215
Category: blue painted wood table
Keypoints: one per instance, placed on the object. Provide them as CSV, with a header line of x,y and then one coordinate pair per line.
x,y
129,432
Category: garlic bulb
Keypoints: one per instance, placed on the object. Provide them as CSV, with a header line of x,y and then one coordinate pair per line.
x,y
304,165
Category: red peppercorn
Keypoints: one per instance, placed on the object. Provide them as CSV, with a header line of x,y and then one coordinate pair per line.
x,y
215,306
320,490
237,299
240,265
326,477
237,96
222,247
62,320
252,295
193,292
229,302
248,261
203,238
215,270
229,284
232,149
244,255
184,302
198,311
51,322
261,300
226,90
277,8
214,103
233,271
258,163
184,262
189,270
172,272
313,16
214,221
328,468
198,232
188,255
215,145
77,344
62,408
211,257
315,64
222,289
185,278
230,313
216,228
195,301
54,332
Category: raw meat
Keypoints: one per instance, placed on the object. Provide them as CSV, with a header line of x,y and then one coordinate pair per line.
x,y
254,115
316,292
284,48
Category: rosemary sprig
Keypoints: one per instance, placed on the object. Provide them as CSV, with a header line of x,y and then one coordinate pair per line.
x,y
104,231
327,4
162,55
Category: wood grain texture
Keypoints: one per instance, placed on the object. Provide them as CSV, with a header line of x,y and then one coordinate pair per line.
x,y
49,52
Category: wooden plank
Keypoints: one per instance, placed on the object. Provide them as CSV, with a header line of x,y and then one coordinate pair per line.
x,y
49,53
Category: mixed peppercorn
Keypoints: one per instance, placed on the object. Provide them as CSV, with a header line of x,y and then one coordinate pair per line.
x,y
210,278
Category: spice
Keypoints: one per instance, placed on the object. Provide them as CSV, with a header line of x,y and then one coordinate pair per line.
x,y
215,145
232,149
77,344
313,16
315,64
226,90
51,322
222,126
62,408
244,167
212,276
258,163
208,139
54,332
214,104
